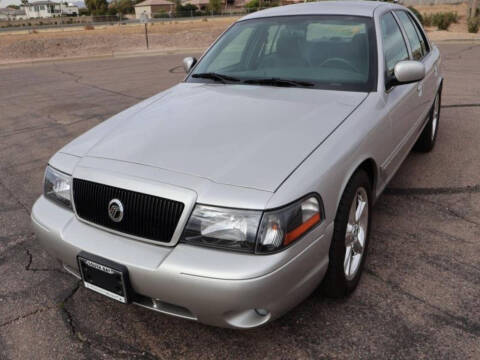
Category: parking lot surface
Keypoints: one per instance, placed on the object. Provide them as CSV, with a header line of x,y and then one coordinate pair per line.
x,y
419,296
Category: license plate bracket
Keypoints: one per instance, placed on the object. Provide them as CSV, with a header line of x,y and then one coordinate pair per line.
x,y
104,276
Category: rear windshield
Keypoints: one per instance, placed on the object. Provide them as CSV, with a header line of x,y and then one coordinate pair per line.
x,y
328,52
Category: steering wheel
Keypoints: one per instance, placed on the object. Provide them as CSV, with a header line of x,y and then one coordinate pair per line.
x,y
342,62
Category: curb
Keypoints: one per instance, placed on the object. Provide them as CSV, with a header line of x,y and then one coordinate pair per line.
x,y
113,55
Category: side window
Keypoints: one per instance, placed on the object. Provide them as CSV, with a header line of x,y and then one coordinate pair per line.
x,y
418,51
394,47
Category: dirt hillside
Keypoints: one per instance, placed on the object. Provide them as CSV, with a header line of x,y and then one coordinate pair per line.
x,y
108,39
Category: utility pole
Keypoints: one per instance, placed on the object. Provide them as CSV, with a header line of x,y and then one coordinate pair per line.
x,y
146,35
144,20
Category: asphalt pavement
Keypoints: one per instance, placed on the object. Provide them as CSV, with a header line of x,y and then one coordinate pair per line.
x,y
419,296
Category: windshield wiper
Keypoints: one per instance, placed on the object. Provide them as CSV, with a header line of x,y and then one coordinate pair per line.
x,y
279,82
216,77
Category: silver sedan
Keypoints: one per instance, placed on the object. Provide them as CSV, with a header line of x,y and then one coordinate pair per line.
x,y
230,197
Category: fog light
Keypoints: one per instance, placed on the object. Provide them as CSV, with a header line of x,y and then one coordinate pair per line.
x,y
261,312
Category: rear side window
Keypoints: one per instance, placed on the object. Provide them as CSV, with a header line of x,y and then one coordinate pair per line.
x,y
417,43
420,33
394,47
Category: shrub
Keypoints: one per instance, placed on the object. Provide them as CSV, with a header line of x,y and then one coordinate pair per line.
x,y
255,4
186,10
427,20
443,23
416,13
443,20
473,24
89,27
452,16
252,4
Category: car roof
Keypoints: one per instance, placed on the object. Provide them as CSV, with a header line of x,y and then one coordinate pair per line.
x,y
354,8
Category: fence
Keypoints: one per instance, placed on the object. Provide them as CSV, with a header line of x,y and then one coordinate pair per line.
x,y
64,22
56,22
203,12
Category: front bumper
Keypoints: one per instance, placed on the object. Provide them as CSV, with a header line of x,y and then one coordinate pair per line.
x,y
214,287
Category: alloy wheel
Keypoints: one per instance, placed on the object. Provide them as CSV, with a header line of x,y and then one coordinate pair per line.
x,y
356,233
436,111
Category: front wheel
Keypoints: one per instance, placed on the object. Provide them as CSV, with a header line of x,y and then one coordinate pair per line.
x,y
426,141
350,237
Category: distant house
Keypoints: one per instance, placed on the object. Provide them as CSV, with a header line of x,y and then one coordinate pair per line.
x,y
12,14
151,7
47,9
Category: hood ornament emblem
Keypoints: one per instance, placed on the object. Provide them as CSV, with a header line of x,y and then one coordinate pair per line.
x,y
115,210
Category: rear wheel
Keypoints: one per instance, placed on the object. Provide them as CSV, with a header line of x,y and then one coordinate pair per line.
x,y
350,238
426,141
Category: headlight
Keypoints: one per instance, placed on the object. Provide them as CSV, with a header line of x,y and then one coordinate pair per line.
x,y
57,187
222,228
280,228
248,230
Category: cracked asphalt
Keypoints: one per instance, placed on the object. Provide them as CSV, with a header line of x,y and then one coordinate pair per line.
x,y
419,296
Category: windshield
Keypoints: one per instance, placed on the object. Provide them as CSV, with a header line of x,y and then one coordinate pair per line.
x,y
327,52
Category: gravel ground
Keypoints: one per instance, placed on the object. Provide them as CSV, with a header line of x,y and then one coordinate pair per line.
x,y
109,39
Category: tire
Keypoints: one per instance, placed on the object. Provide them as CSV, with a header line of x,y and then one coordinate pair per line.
x,y
339,281
426,141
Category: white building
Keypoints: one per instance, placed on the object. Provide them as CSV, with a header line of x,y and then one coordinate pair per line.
x,y
47,9
12,14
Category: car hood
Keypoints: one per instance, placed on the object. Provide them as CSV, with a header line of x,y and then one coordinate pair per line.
x,y
247,136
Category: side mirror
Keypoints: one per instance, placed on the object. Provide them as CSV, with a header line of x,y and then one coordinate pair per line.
x,y
188,63
406,72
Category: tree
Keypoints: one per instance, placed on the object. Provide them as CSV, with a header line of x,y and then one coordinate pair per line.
x,y
97,7
121,7
185,10
261,4
215,5
24,2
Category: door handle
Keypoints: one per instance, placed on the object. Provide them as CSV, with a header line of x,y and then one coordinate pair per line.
x,y
419,89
